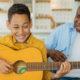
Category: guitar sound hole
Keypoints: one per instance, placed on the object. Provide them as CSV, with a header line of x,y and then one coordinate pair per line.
x,y
19,67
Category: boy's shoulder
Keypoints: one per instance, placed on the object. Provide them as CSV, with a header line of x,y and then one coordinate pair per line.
x,y
5,38
37,40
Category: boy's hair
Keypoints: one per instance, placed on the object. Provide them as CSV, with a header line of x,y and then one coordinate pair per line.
x,y
18,9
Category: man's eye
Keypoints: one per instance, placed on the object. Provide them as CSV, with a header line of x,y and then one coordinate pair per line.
x,y
78,16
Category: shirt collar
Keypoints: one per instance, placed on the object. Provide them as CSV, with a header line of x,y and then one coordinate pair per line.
x,y
72,26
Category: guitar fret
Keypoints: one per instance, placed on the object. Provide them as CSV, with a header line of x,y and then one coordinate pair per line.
x,y
78,65
71,65
75,65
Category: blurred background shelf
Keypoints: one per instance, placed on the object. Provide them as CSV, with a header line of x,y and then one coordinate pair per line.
x,y
77,0
46,14
63,9
37,1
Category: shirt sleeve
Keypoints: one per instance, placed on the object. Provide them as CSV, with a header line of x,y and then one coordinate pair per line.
x,y
51,41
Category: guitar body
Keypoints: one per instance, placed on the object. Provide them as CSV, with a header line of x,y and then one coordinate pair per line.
x,y
30,54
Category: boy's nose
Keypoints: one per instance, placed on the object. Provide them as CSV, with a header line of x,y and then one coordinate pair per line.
x,y
21,31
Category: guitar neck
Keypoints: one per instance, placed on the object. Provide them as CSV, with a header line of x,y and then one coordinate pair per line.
x,y
42,66
49,66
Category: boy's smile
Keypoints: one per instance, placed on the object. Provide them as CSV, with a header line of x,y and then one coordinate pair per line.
x,y
20,27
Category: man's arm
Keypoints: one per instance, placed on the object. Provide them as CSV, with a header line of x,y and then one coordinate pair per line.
x,y
56,55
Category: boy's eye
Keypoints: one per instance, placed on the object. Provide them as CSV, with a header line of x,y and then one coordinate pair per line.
x,y
25,26
15,27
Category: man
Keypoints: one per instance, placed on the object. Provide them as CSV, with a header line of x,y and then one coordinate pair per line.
x,y
66,39
19,23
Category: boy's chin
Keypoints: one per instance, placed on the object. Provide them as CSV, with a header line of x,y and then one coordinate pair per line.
x,y
21,41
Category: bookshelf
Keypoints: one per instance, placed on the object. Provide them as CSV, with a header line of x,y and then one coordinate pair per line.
x,y
42,19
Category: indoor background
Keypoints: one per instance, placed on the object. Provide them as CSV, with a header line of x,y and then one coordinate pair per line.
x,y
46,14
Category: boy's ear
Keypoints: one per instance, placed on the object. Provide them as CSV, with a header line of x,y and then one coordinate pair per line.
x,y
31,24
8,24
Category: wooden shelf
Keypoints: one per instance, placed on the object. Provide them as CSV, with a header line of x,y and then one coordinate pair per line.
x,y
63,9
4,0
37,1
3,12
46,16
41,16
77,0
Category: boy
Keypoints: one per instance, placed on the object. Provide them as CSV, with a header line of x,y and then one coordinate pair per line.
x,y
19,23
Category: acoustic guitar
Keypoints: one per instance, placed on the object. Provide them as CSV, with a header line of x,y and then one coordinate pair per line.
x,y
34,63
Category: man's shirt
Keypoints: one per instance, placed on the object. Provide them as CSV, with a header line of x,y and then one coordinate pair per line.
x,y
63,38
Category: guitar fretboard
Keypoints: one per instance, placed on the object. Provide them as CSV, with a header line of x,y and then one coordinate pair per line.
x,y
49,66
75,65
42,66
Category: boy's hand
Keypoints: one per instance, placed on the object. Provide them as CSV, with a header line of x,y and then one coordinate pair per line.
x,y
64,69
5,67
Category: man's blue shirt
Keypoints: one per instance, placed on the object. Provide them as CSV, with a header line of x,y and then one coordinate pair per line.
x,y
62,38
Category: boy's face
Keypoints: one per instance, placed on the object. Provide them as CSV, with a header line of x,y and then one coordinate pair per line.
x,y
20,27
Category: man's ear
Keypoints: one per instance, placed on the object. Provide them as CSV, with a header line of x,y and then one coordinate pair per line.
x,y
8,24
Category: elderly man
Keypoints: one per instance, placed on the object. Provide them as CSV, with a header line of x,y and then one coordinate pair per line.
x,y
66,39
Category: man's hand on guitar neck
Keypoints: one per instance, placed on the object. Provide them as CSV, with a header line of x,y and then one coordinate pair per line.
x,y
56,55
64,69
5,67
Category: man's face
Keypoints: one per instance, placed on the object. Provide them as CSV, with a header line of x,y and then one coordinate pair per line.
x,y
20,27
77,20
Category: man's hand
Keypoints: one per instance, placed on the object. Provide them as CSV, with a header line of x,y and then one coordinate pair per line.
x,y
5,67
56,55
64,69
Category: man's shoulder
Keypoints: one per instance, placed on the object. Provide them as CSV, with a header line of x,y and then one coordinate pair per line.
x,y
64,27
67,25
